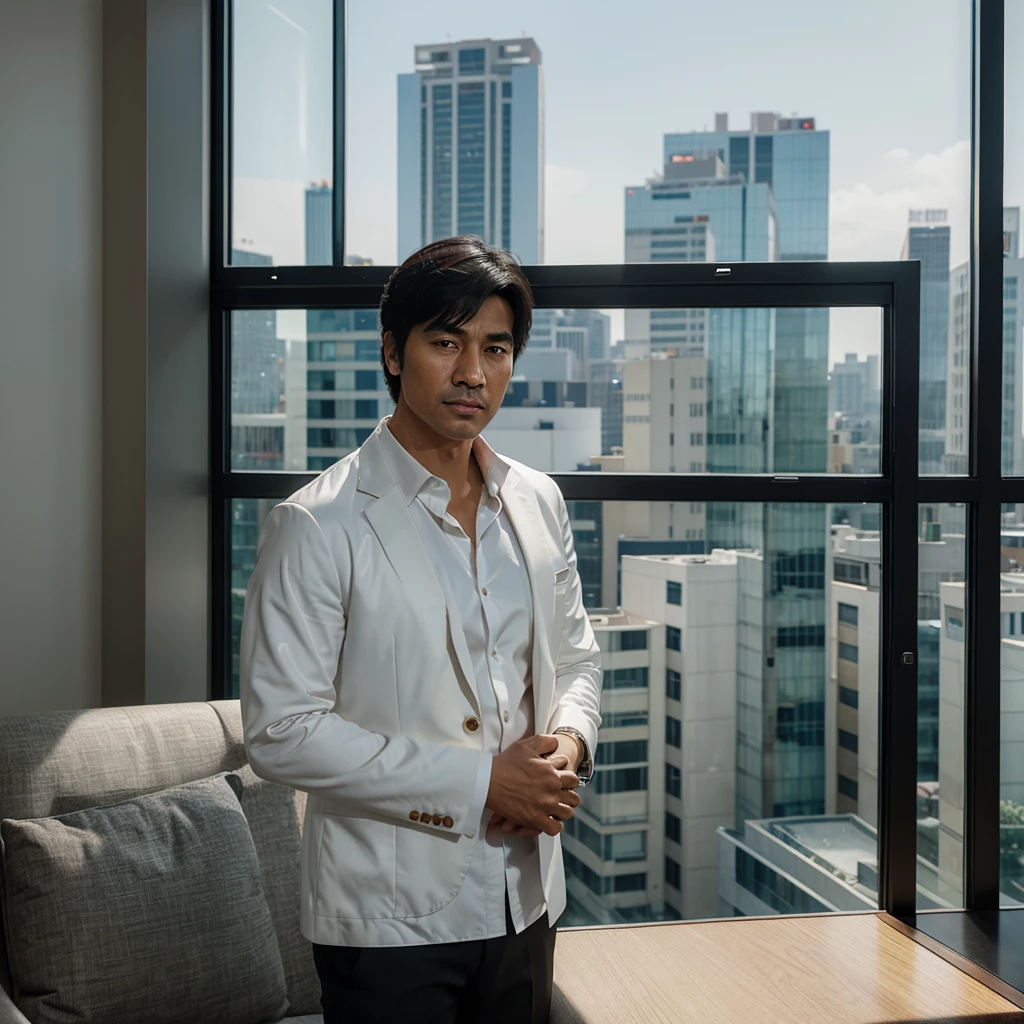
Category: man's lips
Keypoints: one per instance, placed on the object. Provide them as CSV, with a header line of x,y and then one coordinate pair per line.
x,y
466,404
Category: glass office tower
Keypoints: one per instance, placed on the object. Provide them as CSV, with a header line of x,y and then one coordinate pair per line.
x,y
471,146
927,240
763,193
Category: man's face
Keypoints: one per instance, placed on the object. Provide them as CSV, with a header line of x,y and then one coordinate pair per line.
x,y
472,364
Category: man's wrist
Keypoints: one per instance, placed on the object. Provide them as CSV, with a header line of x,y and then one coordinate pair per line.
x,y
580,752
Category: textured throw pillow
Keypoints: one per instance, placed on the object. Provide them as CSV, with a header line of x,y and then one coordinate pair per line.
x,y
274,813
149,910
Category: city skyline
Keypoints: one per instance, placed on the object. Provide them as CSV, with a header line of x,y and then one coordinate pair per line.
x,y
777,676
886,159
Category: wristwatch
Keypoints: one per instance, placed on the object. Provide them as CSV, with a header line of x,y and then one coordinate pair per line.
x,y
586,769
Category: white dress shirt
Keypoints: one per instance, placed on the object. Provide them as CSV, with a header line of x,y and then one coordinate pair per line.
x,y
492,592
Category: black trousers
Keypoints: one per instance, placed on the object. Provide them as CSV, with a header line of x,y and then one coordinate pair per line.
x,y
506,980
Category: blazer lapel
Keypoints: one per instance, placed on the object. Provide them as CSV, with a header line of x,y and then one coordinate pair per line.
x,y
530,529
393,524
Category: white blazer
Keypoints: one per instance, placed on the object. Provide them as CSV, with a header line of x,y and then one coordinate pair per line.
x,y
357,687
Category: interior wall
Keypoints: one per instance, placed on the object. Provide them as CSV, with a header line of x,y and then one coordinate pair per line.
x,y
51,352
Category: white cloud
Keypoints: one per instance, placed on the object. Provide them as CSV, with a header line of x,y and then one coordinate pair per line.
x,y
869,222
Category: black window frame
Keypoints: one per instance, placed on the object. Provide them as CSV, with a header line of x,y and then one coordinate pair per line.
x,y
892,286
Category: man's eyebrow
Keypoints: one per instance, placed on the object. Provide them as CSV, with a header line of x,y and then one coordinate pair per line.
x,y
445,330
495,336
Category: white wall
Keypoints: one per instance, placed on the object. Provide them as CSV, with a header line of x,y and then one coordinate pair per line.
x,y
51,341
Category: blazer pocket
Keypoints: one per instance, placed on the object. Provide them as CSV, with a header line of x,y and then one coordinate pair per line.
x,y
562,576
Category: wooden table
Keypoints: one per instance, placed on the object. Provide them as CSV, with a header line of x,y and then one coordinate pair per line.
x,y
826,969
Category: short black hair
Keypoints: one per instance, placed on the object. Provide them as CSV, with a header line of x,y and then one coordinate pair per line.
x,y
445,284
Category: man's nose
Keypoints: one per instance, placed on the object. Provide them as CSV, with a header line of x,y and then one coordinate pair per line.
x,y
468,370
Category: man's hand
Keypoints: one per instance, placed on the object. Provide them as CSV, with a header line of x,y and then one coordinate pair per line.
x,y
568,754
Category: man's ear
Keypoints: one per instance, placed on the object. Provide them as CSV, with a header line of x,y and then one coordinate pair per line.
x,y
390,350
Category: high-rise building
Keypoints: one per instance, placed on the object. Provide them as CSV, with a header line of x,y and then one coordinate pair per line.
x,y
852,698
471,146
927,240
604,385
257,382
762,194
319,225
958,372
1009,671
855,396
612,855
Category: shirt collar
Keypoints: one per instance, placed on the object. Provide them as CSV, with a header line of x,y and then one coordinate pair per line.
x,y
412,476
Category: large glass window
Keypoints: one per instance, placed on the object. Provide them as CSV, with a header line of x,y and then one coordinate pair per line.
x,y
768,731
1012,452
728,391
282,119
1011,712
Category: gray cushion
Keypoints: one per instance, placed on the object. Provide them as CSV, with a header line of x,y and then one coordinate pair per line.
x,y
275,815
149,910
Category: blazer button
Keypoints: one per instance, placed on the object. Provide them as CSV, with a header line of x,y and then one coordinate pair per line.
x,y
471,723
436,819
448,821
414,815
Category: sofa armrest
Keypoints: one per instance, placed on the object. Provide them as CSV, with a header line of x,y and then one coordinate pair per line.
x,y
9,1013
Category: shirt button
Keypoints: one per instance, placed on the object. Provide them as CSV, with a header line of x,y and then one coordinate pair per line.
x,y
506,716
494,653
484,591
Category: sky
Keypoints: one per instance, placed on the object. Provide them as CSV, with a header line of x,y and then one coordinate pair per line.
x,y
617,78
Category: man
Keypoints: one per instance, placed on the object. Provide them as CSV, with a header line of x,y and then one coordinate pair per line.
x,y
416,657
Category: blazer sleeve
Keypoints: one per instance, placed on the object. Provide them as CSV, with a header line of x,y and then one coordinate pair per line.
x,y
293,627
578,663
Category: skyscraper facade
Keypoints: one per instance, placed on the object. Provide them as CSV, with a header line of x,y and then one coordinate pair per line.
x,y
958,358
761,194
471,146
319,225
927,240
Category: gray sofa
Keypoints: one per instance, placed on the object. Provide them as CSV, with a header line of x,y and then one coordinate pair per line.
x,y
121,764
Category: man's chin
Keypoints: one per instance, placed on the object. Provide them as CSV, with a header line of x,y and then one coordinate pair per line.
x,y
463,425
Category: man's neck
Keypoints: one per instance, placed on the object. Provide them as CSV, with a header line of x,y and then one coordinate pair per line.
x,y
453,461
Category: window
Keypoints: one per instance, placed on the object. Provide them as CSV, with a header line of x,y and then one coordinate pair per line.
x,y
619,780
847,787
672,683
779,893
629,640
672,873
626,846
674,592
672,830
621,752
623,719
955,624
769,392
673,778
848,652
848,740
625,678
673,731
848,697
